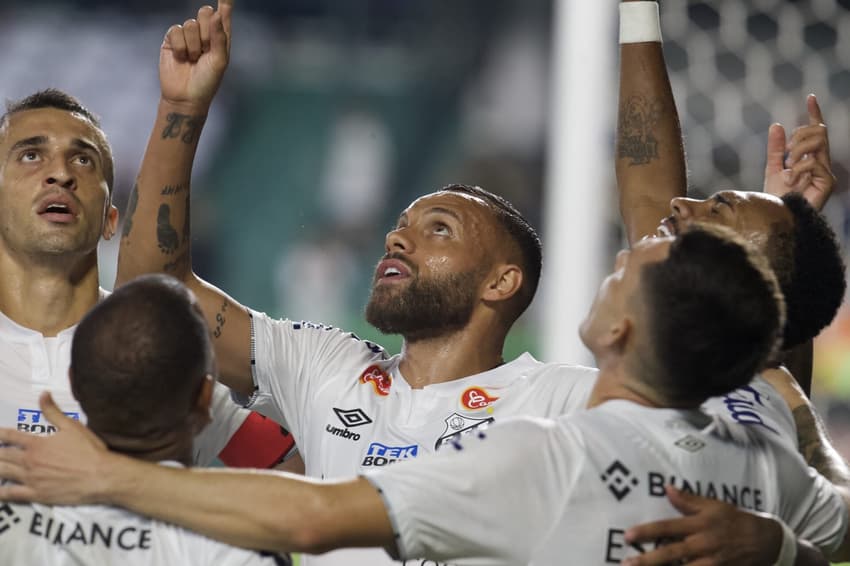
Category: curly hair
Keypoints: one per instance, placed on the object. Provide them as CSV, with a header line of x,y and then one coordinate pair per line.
x,y
808,263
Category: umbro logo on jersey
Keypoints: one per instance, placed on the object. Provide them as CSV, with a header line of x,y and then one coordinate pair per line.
x,y
619,479
31,420
690,443
476,398
379,379
8,517
458,425
350,418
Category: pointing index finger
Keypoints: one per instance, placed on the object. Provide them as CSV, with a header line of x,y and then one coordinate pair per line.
x,y
815,116
225,8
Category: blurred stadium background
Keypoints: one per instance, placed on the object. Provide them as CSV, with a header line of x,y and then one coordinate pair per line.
x,y
335,115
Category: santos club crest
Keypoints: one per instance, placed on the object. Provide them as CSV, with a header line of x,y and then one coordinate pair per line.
x,y
458,425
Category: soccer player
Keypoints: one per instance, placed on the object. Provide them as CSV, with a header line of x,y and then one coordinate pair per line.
x,y
56,180
651,175
142,369
531,490
459,268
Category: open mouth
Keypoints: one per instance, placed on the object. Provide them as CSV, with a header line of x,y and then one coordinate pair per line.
x,y
391,270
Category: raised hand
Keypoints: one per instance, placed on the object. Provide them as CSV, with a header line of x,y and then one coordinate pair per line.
x,y
194,56
802,164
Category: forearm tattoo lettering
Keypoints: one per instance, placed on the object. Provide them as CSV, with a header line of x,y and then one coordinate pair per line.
x,y
637,140
166,235
220,320
182,126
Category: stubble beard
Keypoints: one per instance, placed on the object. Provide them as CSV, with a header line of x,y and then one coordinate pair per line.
x,y
425,308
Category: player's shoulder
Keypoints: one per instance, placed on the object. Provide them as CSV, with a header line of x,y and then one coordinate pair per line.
x,y
314,331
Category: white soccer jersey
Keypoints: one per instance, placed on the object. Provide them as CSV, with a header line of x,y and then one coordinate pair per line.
x,y
549,492
31,364
89,535
350,410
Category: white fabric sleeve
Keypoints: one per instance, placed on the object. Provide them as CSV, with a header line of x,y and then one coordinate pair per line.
x,y
290,359
756,405
809,504
495,495
227,417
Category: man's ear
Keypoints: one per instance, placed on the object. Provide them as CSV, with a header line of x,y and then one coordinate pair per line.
x,y
505,282
110,223
201,411
617,334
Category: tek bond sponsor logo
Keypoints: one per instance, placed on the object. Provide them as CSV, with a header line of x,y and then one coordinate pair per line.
x,y
350,418
32,421
381,454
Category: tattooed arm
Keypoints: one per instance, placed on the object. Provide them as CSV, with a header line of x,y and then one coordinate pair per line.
x,y
650,161
156,235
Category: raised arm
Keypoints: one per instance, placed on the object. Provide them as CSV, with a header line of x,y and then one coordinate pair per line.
x,y
157,234
650,161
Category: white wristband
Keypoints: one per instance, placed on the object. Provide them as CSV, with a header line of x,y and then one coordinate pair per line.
x,y
639,22
788,551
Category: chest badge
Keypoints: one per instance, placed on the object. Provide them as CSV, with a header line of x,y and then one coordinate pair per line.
x,y
379,379
457,426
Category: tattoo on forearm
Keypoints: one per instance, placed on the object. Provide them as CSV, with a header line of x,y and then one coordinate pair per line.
x,y
815,448
131,211
220,320
170,190
636,129
166,235
182,126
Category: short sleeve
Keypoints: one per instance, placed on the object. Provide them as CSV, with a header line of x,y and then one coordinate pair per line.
x,y
289,359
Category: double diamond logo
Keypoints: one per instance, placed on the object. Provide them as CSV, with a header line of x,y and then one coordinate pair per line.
x,y
352,417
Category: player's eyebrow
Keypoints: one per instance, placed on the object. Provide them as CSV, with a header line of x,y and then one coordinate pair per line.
x,y
443,210
28,142
82,144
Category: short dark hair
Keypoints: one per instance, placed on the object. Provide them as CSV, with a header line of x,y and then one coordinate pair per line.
x,y
521,232
714,312
60,100
810,269
138,359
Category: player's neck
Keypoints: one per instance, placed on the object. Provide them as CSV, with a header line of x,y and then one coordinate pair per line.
x,y
175,446
449,357
615,381
48,297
